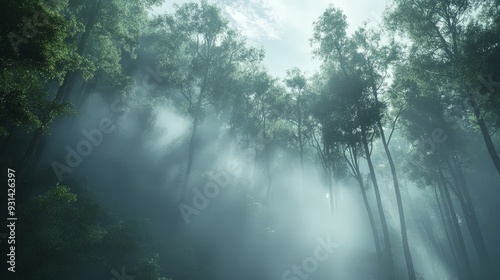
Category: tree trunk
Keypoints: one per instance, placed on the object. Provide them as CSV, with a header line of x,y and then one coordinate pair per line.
x,y
370,217
25,162
269,179
385,230
62,94
330,191
471,217
336,195
89,88
196,114
189,167
406,246
447,225
487,139
446,194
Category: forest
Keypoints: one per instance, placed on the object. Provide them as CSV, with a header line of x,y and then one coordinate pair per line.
x,y
146,143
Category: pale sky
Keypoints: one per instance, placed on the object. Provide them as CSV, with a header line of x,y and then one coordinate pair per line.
x,y
283,27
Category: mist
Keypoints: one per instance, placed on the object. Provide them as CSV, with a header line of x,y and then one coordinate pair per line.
x,y
150,143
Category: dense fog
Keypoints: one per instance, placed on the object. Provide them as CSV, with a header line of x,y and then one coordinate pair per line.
x,y
144,142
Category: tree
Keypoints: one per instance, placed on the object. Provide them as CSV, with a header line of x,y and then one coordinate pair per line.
x,y
202,56
439,63
342,139
374,60
296,82
335,48
74,232
442,54
270,114
108,29
436,158
328,153
34,52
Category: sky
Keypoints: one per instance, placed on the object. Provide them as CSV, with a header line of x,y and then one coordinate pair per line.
x,y
283,27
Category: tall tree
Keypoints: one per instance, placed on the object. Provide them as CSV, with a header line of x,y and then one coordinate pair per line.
x,y
202,55
374,59
296,82
34,51
335,48
108,30
440,149
441,35
440,46
341,143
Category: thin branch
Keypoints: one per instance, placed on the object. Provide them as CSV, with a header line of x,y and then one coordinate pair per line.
x,y
188,99
493,133
382,81
394,124
351,171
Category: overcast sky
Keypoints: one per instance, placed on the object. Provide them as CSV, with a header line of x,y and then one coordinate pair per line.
x,y
283,27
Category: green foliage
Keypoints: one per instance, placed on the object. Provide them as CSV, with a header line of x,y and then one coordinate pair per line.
x,y
447,78
77,239
202,58
34,51
55,47
330,36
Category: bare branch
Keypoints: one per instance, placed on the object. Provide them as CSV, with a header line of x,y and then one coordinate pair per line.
x,y
394,124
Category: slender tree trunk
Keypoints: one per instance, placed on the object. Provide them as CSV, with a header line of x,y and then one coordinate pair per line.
x,y
189,167
255,168
187,174
301,157
89,88
256,158
406,246
471,217
354,166
330,191
487,139
30,151
446,194
385,230
191,150
371,218
299,126
328,168
196,114
267,152
336,195
269,179
301,144
61,94
447,231
465,267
